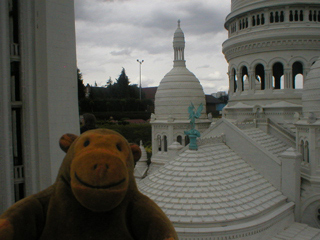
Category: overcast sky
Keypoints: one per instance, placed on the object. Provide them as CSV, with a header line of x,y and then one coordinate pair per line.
x,y
113,34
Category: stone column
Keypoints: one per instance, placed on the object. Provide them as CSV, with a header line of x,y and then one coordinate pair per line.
x,y
290,183
6,162
231,83
162,143
170,139
306,15
249,21
313,156
268,79
288,78
286,15
154,138
239,82
266,16
252,80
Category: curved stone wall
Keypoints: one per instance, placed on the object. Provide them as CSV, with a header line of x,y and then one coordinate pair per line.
x,y
311,92
236,4
270,49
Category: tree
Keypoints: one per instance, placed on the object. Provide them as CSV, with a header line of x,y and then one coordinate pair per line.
x,y
122,85
81,87
109,82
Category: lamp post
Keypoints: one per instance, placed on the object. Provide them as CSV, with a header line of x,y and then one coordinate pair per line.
x,y
140,74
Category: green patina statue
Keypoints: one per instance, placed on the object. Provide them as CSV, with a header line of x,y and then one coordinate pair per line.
x,y
193,133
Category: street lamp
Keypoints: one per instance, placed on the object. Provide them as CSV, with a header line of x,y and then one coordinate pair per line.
x,y
140,74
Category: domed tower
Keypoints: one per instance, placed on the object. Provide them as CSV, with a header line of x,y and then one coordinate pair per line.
x,y
308,143
270,48
177,90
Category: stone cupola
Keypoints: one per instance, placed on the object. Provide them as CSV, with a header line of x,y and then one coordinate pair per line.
x,y
177,90
179,87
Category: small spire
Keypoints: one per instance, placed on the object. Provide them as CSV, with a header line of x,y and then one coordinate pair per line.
x,y
179,23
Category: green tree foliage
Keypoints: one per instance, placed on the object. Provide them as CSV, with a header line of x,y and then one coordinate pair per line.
x,y
122,85
121,89
224,99
115,96
81,87
132,132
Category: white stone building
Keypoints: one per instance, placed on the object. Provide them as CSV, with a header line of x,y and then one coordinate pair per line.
x,y
38,93
256,172
177,90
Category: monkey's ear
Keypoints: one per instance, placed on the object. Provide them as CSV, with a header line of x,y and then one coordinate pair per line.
x,y
136,152
66,140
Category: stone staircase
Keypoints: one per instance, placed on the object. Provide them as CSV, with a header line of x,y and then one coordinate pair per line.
x,y
290,127
269,142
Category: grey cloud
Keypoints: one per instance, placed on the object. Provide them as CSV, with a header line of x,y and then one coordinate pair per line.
x,y
204,66
126,52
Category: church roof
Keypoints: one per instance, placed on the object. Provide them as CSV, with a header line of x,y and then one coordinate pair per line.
x,y
212,185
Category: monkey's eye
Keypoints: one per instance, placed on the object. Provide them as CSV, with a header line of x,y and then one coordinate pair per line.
x,y
86,143
119,147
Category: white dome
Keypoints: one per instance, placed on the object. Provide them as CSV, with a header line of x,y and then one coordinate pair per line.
x,y
311,91
179,87
212,186
176,91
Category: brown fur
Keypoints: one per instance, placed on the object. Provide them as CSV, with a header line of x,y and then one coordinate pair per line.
x,y
95,196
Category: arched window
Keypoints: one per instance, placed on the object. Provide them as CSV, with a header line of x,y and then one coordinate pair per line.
x,y
244,72
301,149
179,139
234,76
278,75
277,18
186,140
159,143
306,151
260,75
282,17
297,75
271,17
165,143
301,16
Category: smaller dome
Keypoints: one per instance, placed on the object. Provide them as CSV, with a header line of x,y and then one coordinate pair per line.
x,y
179,87
311,92
176,91
178,37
